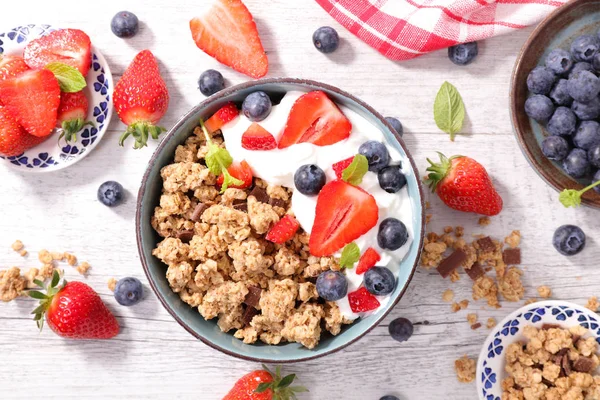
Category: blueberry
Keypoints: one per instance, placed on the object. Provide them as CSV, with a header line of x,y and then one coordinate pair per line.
x,y
568,240
380,281
326,39
309,179
563,122
594,157
210,82
332,285
596,62
555,148
392,234
587,135
128,291
559,61
540,80
576,164
110,193
583,86
389,397
463,54
257,106
560,93
124,24
539,107
377,154
587,111
585,47
596,179
396,124
581,66
401,329
391,179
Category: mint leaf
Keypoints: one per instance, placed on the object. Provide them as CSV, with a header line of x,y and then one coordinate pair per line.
x,y
350,255
217,159
449,110
69,78
229,180
353,174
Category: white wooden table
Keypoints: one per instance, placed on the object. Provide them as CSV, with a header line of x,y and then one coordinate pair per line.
x,y
154,357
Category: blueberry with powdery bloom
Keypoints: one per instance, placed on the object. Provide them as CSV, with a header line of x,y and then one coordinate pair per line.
x,y
540,80
559,61
560,93
576,164
581,66
594,157
464,53
539,107
583,86
555,148
596,179
585,47
563,122
587,135
587,111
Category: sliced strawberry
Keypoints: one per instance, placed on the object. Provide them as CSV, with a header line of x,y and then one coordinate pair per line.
x,y
241,171
362,301
11,66
72,112
14,140
343,214
67,46
228,33
316,119
283,230
340,166
32,98
258,138
367,261
225,114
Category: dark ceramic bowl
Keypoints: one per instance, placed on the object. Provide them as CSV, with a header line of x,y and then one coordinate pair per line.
x,y
557,30
188,317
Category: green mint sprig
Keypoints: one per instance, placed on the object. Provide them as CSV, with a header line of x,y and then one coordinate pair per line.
x,y
449,110
69,78
218,160
572,197
350,255
354,173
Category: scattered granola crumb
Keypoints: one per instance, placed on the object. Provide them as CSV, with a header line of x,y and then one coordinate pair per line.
x,y
484,221
463,304
23,253
448,229
455,307
544,291
472,318
476,325
83,268
427,205
459,231
491,322
112,283
57,256
17,245
465,369
45,257
454,276
11,284
514,239
530,301
71,259
448,295
428,218
592,303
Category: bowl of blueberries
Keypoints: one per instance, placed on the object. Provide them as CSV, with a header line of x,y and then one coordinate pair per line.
x,y
555,99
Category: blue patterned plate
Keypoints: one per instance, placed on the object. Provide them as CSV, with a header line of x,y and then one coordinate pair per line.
x,y
490,366
52,155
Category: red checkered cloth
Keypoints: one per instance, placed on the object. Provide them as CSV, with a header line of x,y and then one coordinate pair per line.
x,y
404,29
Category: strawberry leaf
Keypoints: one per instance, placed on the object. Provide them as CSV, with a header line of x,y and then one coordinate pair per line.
x,y
37,295
55,279
286,381
38,282
298,389
354,173
263,387
350,255
449,110
69,78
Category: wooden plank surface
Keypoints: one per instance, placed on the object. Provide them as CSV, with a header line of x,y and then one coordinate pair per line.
x,y
153,357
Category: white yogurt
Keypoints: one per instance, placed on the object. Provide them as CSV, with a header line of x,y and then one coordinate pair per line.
x,y
278,166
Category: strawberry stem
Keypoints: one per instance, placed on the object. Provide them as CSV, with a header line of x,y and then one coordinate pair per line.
x,y
280,386
71,127
45,299
438,171
141,131
572,197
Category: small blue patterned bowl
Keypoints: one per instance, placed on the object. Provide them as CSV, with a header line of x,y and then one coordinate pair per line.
x,y
490,366
53,155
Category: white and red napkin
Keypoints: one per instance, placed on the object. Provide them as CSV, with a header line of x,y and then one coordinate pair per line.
x,y
404,29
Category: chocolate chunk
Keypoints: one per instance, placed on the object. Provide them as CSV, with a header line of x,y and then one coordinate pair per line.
x,y
249,313
511,256
240,205
583,364
198,211
566,365
451,262
486,244
260,194
475,272
253,296
547,382
277,202
476,325
545,327
185,235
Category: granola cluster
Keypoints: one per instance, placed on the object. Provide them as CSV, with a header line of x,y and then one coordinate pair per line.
x,y
220,263
555,364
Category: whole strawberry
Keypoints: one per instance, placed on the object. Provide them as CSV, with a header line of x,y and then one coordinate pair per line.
x,y
141,99
14,140
262,384
72,114
73,310
463,184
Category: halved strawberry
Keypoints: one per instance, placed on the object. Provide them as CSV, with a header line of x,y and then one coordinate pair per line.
x,y
283,230
228,33
258,138
316,119
225,114
32,98
362,301
343,214
11,66
67,46
72,114
241,171
14,140
340,166
367,261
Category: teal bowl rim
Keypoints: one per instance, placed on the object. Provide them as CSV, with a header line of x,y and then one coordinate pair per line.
x,y
211,102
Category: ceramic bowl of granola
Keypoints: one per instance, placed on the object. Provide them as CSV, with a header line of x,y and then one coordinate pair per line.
x,y
280,237
545,350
